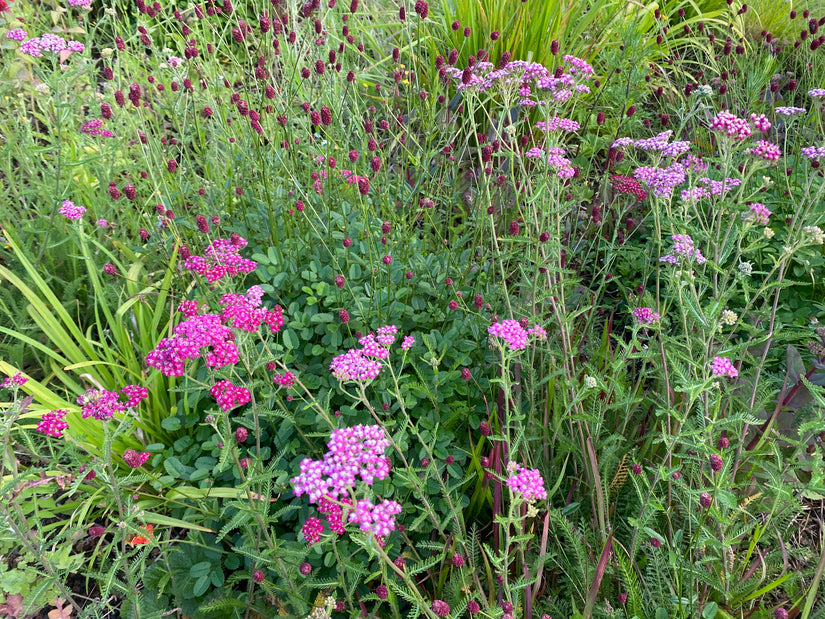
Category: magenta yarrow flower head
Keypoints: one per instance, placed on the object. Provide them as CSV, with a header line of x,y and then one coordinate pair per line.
x,y
334,513
628,185
204,331
731,125
244,312
760,122
556,124
286,380
135,394
15,380
221,259
378,519
228,395
52,423
513,335
352,453
683,248
188,308
526,482
408,342
17,34
70,211
765,150
312,529
722,366
661,181
646,316
816,93
93,127
135,459
100,404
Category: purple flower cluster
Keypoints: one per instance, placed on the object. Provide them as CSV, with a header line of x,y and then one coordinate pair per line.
x,y
354,365
514,335
683,247
52,423
731,125
526,482
646,316
711,188
722,366
221,259
93,127
312,529
790,111
18,34
407,342
661,181
760,122
48,42
534,153
378,518
352,453
100,404
816,92
814,152
658,143
244,312
70,211
556,123
204,331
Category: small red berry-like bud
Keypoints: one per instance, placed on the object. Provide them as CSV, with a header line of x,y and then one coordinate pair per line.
x,y
631,110
343,315
705,500
484,428
716,462
637,469
241,434
258,576
554,47
363,185
600,118
340,281
109,269
457,560
422,8
387,259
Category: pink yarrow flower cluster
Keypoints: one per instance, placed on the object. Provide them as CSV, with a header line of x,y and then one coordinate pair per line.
x,y
135,459
731,125
361,364
661,181
334,513
17,34
813,152
646,316
378,518
228,395
526,482
245,312
49,42
53,423
515,336
286,380
221,259
205,331
722,366
93,127
761,214
15,380
352,453
683,247
765,150
71,211
556,124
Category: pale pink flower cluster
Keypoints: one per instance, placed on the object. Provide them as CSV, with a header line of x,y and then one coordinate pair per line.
x,y
360,363
48,42
221,259
514,335
722,366
761,213
352,453
378,518
70,211
733,126
228,395
198,332
765,150
534,153
789,111
562,165
527,482
646,316
814,152
556,123
408,342
52,423
712,188
683,247
816,92
661,181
